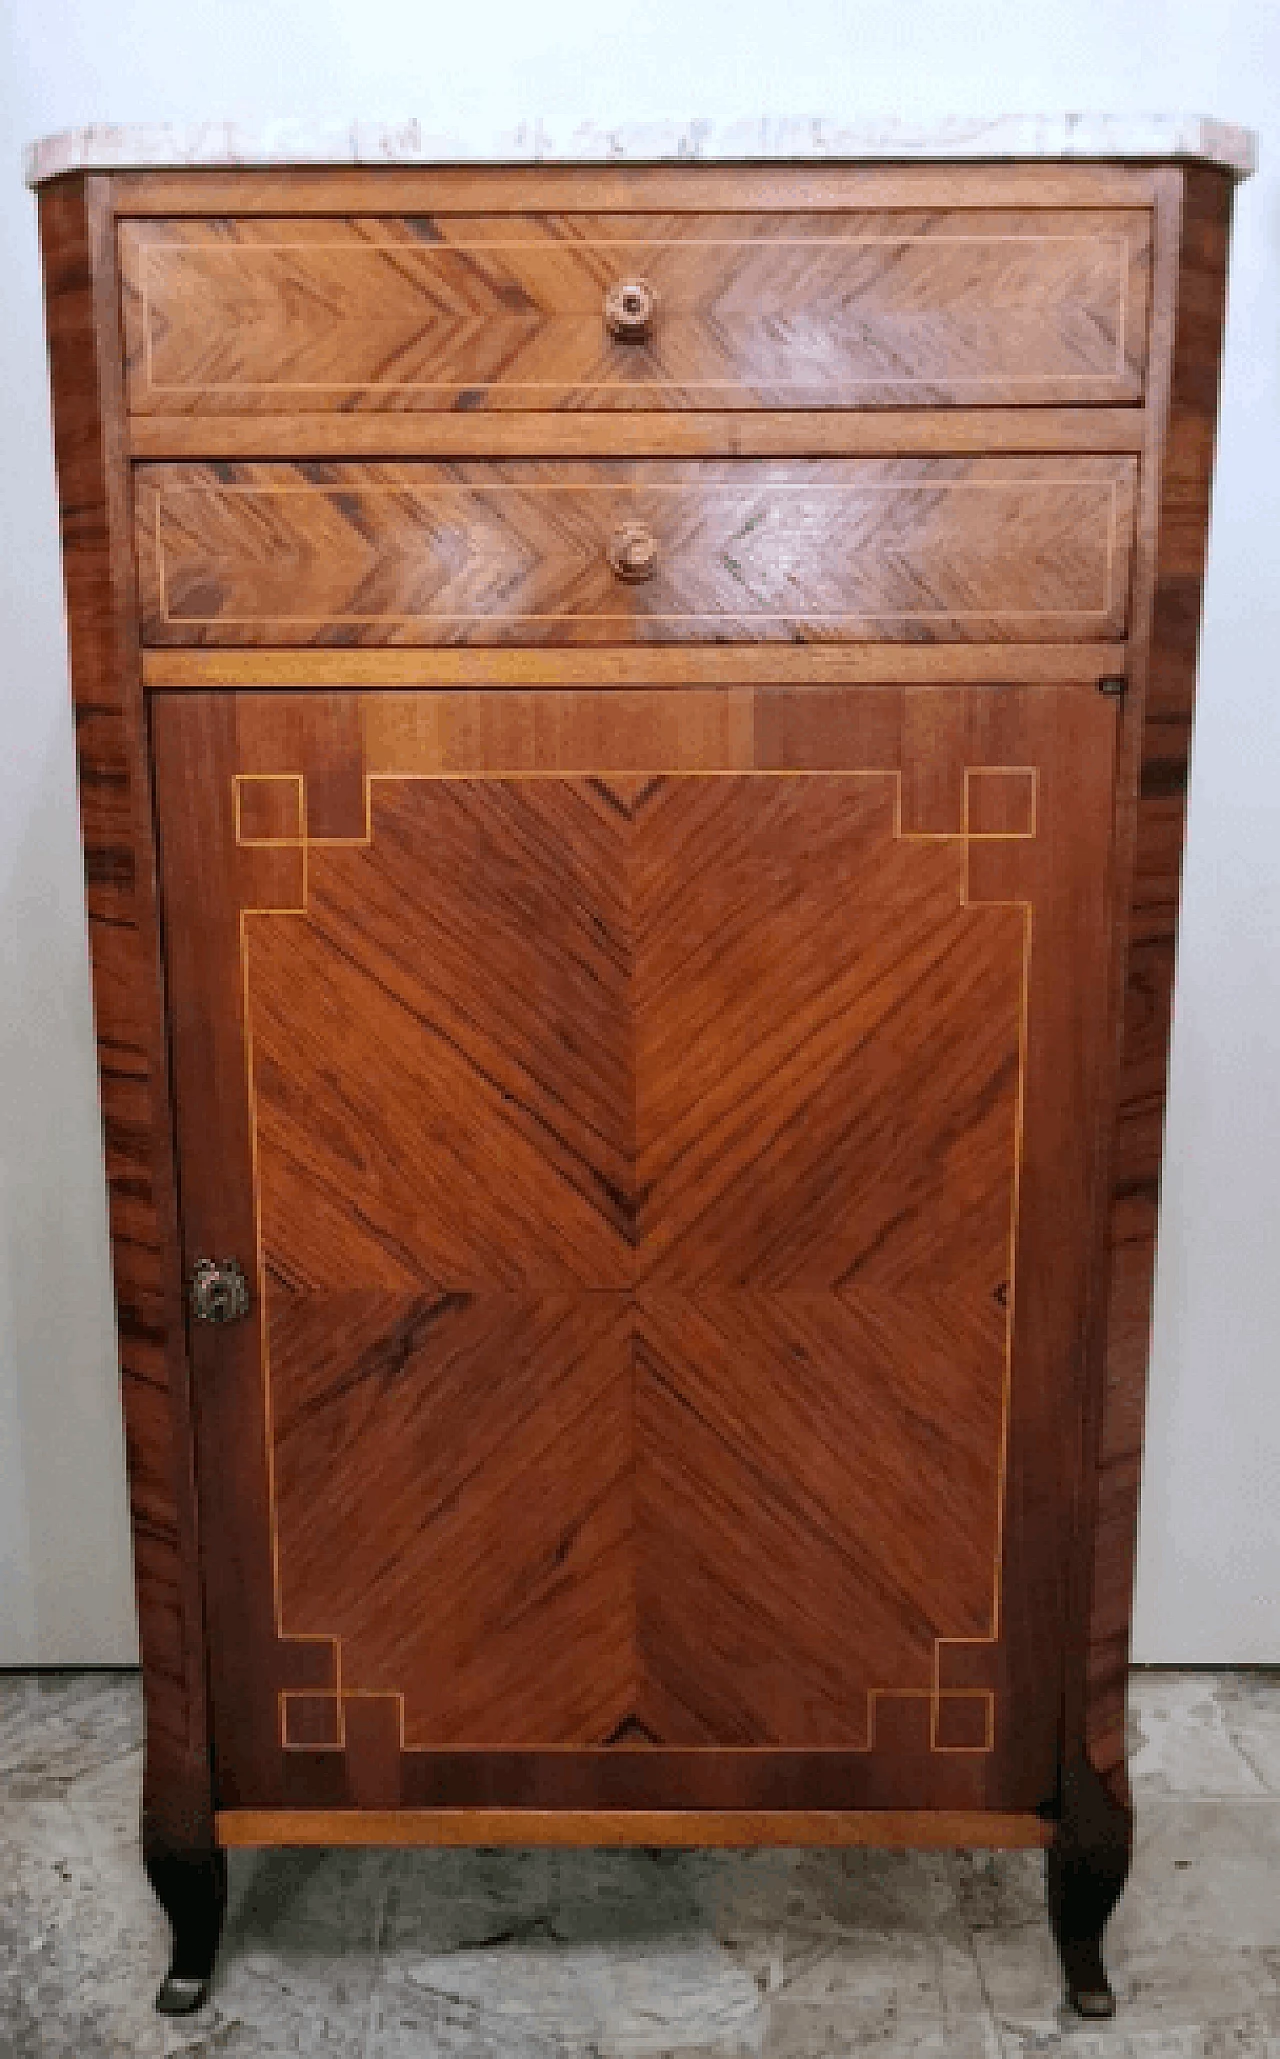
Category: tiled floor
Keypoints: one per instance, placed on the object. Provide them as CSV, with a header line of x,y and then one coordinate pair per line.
x,y
593,1955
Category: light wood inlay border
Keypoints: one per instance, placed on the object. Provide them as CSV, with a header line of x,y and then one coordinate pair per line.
x,y
887,1829
629,189
884,432
976,664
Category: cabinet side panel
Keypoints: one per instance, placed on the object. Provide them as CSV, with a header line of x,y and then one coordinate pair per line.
x,y
1162,745
77,242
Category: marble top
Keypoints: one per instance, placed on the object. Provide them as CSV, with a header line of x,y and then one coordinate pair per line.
x,y
212,144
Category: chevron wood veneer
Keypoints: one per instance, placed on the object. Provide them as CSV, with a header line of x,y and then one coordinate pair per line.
x,y
501,311
944,548
633,882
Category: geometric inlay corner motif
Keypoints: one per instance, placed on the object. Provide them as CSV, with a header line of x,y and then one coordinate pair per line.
x,y
964,1722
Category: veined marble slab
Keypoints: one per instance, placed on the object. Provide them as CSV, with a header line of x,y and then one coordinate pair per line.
x,y
105,148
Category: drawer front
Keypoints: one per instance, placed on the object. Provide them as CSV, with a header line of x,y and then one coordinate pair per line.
x,y
994,549
776,310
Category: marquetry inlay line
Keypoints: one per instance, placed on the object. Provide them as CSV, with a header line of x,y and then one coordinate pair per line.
x,y
1030,774
621,491
945,1701
981,1699
620,249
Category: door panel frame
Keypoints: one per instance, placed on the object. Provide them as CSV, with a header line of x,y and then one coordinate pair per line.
x,y
778,730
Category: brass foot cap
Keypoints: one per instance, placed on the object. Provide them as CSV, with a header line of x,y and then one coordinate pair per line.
x,y
1093,2002
179,1995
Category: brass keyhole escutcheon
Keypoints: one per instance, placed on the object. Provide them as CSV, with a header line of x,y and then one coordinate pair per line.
x,y
629,309
633,552
219,1291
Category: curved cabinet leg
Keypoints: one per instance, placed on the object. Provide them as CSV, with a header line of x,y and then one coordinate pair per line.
x,y
190,1884
1085,1871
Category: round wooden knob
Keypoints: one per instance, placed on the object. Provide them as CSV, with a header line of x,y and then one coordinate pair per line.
x,y
633,551
629,308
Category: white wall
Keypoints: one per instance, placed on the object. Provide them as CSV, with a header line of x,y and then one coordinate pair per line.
x,y
1210,1572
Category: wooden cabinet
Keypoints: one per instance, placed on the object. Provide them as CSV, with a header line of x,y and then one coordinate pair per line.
x,y
633,727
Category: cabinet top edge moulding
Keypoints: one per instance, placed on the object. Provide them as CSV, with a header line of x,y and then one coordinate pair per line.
x,y
222,145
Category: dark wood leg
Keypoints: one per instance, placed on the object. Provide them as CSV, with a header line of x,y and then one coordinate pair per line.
x,y
1085,1871
190,1885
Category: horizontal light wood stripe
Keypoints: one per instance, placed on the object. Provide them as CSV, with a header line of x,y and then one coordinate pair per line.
x,y
710,665
888,432
896,1829
436,189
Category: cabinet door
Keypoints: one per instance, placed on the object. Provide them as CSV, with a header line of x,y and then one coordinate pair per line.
x,y
658,1129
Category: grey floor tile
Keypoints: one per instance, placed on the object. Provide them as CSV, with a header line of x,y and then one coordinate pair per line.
x,y
297,1968
81,1946
630,1955
1181,1741
275,2009
581,1951
412,2022
998,1890
56,1726
750,2049
872,1890
1250,1704
895,1991
444,1901
807,2030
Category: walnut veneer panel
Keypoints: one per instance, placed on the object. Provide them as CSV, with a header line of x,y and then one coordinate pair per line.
x,y
640,1163
753,310
998,549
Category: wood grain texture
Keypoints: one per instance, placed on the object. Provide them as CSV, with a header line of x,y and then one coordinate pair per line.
x,y
1193,224
776,432
607,1302
77,242
687,188
819,665
886,1829
649,1289
996,549
507,311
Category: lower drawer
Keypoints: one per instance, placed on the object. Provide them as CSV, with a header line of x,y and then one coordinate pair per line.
x,y
533,552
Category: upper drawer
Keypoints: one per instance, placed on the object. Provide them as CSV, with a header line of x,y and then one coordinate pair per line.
x,y
537,552
745,310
